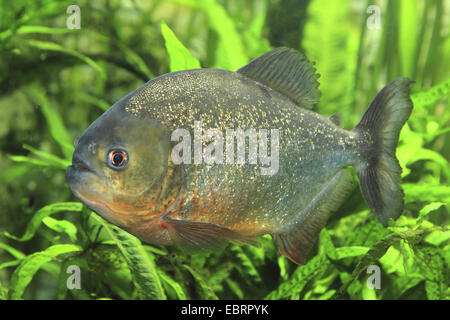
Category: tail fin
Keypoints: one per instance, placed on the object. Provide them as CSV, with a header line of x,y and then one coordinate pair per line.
x,y
380,178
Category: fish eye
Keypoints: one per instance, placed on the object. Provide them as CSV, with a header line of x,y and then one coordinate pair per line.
x,y
117,158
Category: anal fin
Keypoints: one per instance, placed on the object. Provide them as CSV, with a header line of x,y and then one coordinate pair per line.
x,y
296,241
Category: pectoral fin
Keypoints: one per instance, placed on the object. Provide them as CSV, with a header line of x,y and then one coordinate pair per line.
x,y
201,235
295,241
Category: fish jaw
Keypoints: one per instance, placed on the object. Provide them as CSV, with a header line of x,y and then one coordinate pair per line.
x,y
85,185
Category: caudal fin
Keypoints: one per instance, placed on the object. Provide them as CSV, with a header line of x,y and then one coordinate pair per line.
x,y
380,177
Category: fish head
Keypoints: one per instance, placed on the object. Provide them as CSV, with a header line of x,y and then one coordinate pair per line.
x,y
119,164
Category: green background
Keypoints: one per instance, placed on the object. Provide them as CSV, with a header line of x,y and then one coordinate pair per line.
x,y
55,81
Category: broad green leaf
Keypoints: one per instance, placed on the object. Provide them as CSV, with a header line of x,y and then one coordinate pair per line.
x,y
437,238
327,295
234,286
402,284
300,278
427,154
31,264
218,275
426,192
371,257
366,234
430,96
180,57
433,265
141,264
171,285
62,226
245,264
282,264
204,290
427,209
157,251
36,220
326,245
350,252
368,293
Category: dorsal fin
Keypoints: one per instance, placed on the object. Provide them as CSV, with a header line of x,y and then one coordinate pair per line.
x,y
287,71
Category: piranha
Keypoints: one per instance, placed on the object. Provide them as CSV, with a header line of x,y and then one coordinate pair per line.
x,y
123,166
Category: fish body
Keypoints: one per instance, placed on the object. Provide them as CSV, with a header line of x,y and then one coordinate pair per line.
x,y
292,176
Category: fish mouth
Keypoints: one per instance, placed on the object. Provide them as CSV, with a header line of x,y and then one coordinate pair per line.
x,y
78,172
80,164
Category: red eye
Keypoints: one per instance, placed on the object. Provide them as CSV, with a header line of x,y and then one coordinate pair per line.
x,y
117,158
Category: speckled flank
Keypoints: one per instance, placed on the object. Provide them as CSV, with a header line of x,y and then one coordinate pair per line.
x,y
312,148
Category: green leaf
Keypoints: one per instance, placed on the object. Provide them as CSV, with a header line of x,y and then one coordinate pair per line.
x,y
34,161
128,54
47,159
102,104
300,278
57,161
62,226
433,265
36,220
43,30
430,96
230,52
350,252
366,234
417,192
171,285
245,264
54,121
427,209
234,286
326,244
282,264
31,264
9,264
2,292
204,290
375,253
12,251
140,263
180,57
51,46
427,154
407,33
330,41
